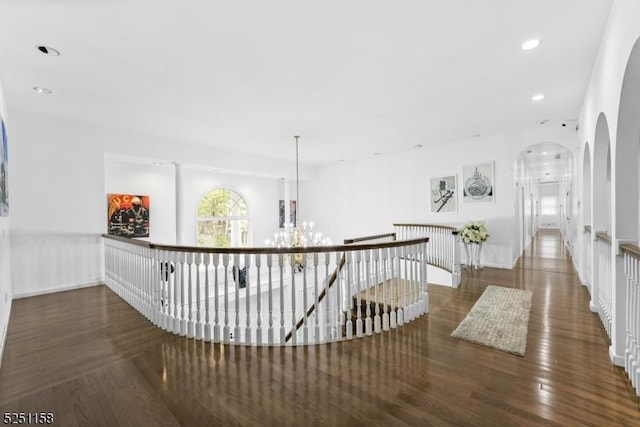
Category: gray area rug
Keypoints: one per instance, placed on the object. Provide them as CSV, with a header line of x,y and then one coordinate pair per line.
x,y
499,319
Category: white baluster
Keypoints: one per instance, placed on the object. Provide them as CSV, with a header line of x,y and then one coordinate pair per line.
x,y
216,296
208,333
424,280
199,325
258,300
327,298
226,328
292,262
368,322
190,320
385,289
270,285
358,270
402,284
236,280
183,314
247,293
377,320
175,284
628,318
282,269
316,299
348,284
164,289
340,307
305,303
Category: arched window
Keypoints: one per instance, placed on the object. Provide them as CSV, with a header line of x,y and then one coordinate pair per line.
x,y
223,219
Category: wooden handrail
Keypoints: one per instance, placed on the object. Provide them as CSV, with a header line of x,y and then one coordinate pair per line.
x,y
362,239
630,249
602,235
270,250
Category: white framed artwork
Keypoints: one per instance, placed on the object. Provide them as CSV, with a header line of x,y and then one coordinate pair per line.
x,y
478,183
444,193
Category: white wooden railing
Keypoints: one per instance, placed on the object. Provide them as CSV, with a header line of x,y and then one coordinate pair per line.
x,y
604,285
631,255
312,295
587,258
443,249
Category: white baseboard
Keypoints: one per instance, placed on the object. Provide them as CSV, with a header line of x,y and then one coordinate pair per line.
x,y
498,265
615,358
97,282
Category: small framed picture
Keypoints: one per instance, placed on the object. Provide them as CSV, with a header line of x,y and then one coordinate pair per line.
x,y
478,183
443,194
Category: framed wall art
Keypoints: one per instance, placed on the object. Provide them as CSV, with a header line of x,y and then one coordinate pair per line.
x,y
478,183
292,213
128,215
443,194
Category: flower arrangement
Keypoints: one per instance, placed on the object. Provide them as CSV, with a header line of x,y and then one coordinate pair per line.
x,y
474,232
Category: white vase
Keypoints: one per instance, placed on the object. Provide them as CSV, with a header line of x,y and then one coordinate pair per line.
x,y
473,251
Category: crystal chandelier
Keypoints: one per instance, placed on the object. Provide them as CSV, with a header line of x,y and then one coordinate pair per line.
x,y
298,235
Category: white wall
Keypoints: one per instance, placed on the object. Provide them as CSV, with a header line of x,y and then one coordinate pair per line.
x,y
603,97
366,197
6,293
59,194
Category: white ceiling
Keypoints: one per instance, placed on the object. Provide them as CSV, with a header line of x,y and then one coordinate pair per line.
x,y
351,77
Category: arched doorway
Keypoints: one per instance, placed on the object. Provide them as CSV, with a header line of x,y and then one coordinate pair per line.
x,y
601,295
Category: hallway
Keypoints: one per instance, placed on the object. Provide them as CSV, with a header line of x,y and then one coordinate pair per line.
x,y
90,359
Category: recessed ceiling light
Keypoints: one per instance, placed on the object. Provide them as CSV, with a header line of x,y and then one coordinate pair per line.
x,y
544,153
42,90
530,44
48,50
538,97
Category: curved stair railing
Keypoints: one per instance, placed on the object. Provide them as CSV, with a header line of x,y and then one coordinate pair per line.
x,y
443,249
255,296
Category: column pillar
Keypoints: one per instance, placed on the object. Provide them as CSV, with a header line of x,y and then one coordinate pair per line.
x,y
179,204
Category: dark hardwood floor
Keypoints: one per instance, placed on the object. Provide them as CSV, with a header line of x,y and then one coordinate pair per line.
x,y
90,359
